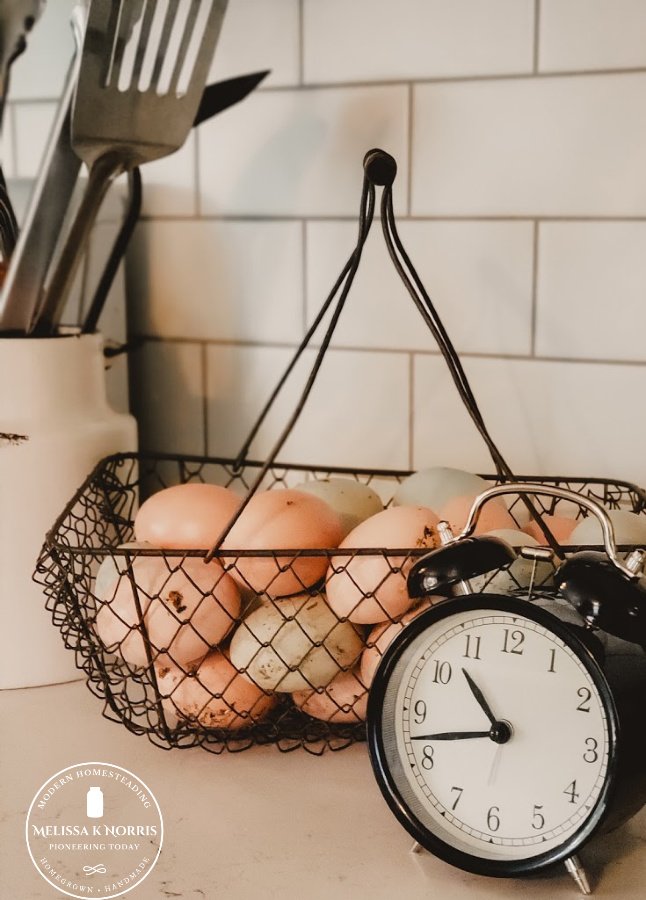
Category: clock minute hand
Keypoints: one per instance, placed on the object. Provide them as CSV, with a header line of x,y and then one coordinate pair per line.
x,y
477,693
451,736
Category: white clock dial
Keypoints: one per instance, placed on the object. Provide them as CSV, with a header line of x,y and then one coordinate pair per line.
x,y
498,736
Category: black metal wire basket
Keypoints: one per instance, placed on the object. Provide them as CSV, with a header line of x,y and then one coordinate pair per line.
x,y
148,689
159,632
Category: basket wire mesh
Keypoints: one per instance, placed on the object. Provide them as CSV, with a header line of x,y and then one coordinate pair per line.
x,y
148,687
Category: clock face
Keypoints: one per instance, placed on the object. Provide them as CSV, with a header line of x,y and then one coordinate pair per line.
x,y
494,732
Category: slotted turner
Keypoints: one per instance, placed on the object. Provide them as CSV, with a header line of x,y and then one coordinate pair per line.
x,y
143,68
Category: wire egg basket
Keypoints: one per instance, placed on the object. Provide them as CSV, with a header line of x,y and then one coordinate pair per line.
x,y
146,683
184,646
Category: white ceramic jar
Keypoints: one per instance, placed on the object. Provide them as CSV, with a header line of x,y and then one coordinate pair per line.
x,y
55,425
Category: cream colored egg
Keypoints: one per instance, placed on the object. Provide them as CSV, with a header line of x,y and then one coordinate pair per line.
x,y
493,515
372,588
520,574
188,607
382,636
343,700
435,486
282,519
296,644
107,575
186,516
629,528
217,696
352,501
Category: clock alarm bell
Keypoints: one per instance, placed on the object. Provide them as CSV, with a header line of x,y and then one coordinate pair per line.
x,y
505,730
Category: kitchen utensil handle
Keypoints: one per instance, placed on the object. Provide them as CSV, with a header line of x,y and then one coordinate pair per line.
x,y
102,174
23,285
116,254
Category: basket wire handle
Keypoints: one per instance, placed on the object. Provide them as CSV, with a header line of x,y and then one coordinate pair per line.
x,y
379,169
366,215
386,167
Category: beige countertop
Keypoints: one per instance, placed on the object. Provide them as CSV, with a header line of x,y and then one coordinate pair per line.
x,y
259,823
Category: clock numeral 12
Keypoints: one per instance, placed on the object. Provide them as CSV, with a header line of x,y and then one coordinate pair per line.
x,y
514,641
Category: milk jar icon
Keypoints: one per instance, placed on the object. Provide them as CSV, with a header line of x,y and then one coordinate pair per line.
x,y
95,803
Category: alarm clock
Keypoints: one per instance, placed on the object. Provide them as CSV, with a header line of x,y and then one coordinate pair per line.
x,y
504,732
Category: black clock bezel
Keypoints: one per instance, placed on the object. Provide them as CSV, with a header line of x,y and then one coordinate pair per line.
x,y
423,835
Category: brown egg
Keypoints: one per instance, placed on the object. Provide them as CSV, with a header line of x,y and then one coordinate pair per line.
x,y
493,515
381,637
343,700
372,588
186,516
188,606
282,519
217,696
560,526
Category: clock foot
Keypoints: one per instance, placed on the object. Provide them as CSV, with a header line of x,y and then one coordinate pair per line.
x,y
416,848
576,870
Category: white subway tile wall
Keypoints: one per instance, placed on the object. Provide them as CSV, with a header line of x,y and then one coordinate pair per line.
x,y
519,130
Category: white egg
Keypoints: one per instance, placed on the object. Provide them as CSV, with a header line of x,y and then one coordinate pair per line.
x,y
351,500
437,485
629,528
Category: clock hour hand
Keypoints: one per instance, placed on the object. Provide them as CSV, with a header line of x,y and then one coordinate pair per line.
x,y
451,736
477,693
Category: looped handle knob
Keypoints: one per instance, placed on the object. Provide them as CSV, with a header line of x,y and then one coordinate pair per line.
x,y
633,571
380,167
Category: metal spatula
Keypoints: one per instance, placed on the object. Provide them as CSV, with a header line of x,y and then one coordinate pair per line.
x,y
138,92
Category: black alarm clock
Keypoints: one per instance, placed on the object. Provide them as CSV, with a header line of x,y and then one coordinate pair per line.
x,y
505,732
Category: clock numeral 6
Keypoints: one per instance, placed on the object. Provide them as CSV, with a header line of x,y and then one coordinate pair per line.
x,y
427,758
538,819
493,820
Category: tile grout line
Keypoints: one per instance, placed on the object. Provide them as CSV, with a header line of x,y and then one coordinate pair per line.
x,y
406,217
534,306
197,187
304,276
395,351
537,29
409,179
205,402
301,44
400,82
411,408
